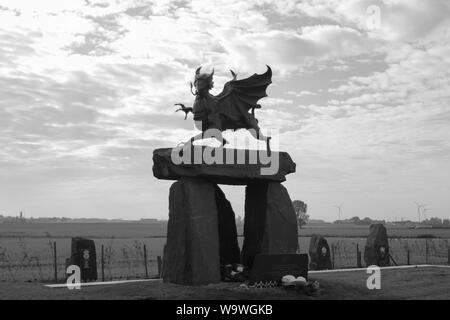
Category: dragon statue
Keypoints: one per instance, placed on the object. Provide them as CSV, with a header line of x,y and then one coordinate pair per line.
x,y
234,108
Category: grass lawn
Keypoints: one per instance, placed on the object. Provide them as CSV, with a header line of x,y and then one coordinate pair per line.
x,y
416,283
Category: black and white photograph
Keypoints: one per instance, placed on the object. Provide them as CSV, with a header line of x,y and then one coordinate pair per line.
x,y
224,156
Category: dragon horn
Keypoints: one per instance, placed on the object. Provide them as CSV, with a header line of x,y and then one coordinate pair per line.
x,y
233,74
198,70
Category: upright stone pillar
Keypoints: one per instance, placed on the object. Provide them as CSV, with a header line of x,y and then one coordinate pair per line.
x,y
229,247
319,253
192,250
376,251
270,224
84,255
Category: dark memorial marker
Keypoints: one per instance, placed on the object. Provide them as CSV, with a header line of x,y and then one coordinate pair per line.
x,y
84,255
377,246
272,267
319,253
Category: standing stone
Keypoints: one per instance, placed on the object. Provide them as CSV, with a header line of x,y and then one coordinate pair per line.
x,y
319,253
376,251
254,221
270,224
228,243
83,255
192,250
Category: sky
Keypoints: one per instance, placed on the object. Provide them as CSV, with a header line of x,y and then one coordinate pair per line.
x,y
360,97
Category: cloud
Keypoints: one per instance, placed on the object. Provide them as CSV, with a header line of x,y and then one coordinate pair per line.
x,y
87,91
401,20
290,49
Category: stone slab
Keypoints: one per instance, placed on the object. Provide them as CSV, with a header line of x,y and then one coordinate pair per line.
x,y
227,166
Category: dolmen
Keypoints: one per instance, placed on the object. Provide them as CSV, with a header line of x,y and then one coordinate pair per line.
x,y
201,232
83,255
319,253
376,251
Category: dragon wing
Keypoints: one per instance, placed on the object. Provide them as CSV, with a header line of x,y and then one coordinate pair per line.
x,y
245,93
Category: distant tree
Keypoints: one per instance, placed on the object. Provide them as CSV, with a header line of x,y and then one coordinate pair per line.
x,y
355,220
300,211
436,221
367,221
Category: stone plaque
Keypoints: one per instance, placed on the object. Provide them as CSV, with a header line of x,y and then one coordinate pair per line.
x,y
272,267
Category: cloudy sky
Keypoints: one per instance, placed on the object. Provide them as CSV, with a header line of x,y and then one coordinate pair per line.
x,y
87,91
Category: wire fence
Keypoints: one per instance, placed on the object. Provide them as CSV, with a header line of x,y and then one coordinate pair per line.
x,y
138,259
29,264
403,251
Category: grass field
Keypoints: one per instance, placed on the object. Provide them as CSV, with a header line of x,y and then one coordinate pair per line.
x,y
418,283
26,252
142,230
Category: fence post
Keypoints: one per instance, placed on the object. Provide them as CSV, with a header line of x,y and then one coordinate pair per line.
x,y
159,267
407,257
103,262
145,261
426,251
358,257
332,255
55,262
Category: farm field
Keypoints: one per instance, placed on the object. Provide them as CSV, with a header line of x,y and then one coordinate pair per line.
x,y
402,284
26,250
158,229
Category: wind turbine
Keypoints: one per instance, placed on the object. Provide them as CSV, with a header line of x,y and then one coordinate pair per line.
x,y
339,210
419,207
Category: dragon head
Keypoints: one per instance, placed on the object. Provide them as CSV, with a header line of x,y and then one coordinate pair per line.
x,y
203,81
